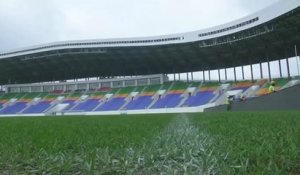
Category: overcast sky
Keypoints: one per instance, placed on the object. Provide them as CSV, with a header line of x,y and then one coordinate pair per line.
x,y
30,22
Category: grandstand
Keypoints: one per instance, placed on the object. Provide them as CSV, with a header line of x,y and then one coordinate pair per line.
x,y
139,99
133,75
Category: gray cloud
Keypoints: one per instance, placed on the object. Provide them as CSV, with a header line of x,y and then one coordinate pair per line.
x,y
31,22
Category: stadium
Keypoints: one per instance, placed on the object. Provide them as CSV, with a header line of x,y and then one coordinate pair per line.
x,y
188,103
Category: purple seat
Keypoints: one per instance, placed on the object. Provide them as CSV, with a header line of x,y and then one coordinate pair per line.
x,y
169,101
112,105
87,105
142,102
15,108
40,107
199,99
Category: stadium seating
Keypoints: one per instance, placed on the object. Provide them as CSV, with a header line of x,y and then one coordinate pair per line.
x,y
14,108
87,105
171,94
280,82
90,103
39,107
244,85
203,96
117,101
169,101
112,104
141,102
2,102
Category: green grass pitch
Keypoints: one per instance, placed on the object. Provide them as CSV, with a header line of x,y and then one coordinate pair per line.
x,y
204,143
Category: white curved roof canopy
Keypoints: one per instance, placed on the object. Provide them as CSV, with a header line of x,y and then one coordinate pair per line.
x,y
263,16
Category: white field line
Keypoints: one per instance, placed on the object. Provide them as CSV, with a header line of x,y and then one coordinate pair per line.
x,y
179,149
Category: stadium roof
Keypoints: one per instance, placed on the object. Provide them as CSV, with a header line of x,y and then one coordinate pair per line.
x,y
270,34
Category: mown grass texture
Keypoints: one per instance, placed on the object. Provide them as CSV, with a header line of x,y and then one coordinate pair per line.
x,y
204,143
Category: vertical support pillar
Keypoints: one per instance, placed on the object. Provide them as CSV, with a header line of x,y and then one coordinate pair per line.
x,y
178,76
174,77
288,68
243,73
209,78
88,86
251,69
148,81
234,71
297,60
280,70
162,79
219,75
99,85
187,77
269,70
192,74
203,76
226,74
261,71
